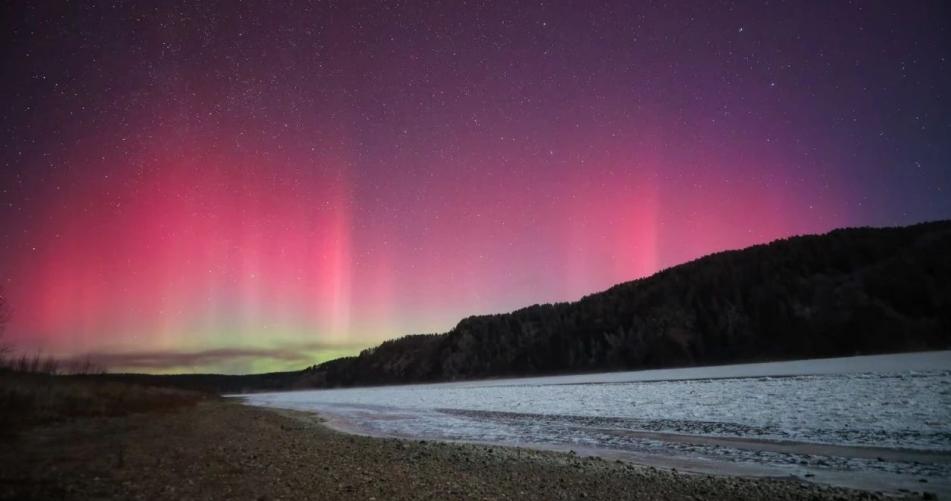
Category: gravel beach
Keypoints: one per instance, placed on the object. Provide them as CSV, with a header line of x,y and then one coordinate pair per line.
x,y
224,450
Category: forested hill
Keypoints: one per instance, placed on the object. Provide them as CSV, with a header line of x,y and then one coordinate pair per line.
x,y
851,291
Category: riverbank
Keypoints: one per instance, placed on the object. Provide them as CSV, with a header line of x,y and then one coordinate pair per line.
x,y
219,449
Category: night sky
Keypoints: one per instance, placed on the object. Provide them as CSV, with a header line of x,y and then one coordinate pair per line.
x,y
242,186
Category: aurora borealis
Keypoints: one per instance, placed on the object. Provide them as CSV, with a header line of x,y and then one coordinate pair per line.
x,y
247,186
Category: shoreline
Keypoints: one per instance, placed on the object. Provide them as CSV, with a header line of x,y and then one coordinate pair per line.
x,y
223,449
850,431
887,483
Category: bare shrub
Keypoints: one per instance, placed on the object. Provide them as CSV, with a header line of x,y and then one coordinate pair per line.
x,y
82,367
5,349
49,366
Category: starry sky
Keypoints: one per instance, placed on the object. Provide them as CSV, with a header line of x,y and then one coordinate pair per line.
x,y
247,186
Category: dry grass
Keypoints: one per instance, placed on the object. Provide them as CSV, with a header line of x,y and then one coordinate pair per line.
x,y
32,399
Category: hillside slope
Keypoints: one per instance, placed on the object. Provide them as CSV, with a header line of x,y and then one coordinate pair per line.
x,y
851,291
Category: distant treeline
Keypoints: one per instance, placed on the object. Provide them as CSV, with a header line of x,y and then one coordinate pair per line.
x,y
851,291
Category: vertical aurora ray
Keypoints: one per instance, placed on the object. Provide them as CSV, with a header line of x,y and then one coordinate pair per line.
x,y
249,186
202,249
208,250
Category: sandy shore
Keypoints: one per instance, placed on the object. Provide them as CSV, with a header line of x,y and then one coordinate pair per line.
x,y
224,450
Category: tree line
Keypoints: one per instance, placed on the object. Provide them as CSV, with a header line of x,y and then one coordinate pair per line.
x,y
848,292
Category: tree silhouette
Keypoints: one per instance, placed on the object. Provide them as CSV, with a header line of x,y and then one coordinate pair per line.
x,y
4,317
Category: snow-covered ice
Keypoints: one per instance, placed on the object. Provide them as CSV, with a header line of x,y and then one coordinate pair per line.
x,y
888,414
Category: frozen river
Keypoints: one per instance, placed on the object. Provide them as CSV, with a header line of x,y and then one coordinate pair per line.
x,y
877,422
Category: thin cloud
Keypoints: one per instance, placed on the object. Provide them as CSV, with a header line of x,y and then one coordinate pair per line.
x,y
160,361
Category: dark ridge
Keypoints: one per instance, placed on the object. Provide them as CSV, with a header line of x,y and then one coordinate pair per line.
x,y
851,291
848,292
